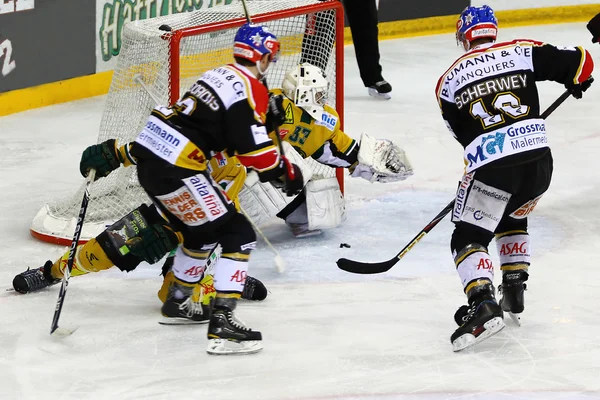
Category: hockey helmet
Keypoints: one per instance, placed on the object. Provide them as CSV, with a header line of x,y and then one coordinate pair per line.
x,y
307,87
252,42
476,23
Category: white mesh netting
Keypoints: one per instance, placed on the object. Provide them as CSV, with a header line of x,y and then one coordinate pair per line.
x,y
144,65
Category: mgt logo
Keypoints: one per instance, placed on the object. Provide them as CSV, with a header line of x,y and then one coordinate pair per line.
x,y
490,144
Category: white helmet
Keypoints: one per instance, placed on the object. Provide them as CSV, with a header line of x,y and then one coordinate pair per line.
x,y
307,87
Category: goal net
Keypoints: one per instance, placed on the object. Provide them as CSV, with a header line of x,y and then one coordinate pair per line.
x,y
161,58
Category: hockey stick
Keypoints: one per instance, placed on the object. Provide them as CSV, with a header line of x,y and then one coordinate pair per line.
x,y
358,267
279,262
54,329
264,80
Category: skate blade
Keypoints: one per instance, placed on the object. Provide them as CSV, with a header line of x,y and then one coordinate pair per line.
x,y
176,321
467,340
516,317
307,234
61,333
376,94
221,347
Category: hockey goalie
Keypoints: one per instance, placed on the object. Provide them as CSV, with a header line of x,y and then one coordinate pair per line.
x,y
311,128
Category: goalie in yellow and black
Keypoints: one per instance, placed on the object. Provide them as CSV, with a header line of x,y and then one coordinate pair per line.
x,y
310,128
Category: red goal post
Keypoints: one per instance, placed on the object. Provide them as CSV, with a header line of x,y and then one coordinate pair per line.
x,y
155,63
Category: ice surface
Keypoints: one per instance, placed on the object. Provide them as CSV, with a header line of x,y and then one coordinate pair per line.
x,y
328,334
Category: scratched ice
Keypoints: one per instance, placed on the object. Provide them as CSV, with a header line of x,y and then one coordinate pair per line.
x,y
328,334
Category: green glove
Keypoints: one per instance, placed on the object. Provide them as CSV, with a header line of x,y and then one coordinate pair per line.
x,y
152,244
102,157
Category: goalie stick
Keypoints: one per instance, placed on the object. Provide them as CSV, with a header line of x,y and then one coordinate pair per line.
x,y
55,330
358,267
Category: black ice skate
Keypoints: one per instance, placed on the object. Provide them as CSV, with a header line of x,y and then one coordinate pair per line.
x,y
254,289
33,280
228,335
381,89
186,310
513,293
479,321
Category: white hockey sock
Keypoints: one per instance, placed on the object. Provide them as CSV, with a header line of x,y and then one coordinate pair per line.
x,y
514,250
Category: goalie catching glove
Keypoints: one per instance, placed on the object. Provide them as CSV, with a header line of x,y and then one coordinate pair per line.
x,y
380,160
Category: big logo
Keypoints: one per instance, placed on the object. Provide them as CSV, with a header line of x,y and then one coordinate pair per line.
x,y
490,144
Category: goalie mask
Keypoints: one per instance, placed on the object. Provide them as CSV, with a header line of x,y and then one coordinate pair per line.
x,y
307,87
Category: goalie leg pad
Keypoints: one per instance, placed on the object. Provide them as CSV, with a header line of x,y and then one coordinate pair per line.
x,y
325,204
261,201
294,157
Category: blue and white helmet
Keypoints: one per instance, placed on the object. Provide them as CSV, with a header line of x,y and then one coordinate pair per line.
x,y
476,23
252,42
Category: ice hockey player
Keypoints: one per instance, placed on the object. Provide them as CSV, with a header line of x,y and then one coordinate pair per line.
x,y
225,110
140,236
489,101
312,128
594,27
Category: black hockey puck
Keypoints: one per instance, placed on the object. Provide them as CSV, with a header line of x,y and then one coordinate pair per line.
x,y
165,27
346,245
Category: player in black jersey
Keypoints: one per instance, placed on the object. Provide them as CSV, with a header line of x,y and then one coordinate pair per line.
x,y
225,110
489,101
594,27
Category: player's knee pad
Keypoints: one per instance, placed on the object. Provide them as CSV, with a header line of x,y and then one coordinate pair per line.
x,y
465,234
514,250
134,225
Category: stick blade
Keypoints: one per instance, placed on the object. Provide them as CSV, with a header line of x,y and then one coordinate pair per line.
x,y
357,267
61,333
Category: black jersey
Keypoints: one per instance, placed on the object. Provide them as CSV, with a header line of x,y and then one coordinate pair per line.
x,y
489,98
225,110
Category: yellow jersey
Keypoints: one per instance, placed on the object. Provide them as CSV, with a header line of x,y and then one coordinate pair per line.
x,y
321,139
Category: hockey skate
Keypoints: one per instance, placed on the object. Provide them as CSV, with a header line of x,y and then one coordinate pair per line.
x,y
183,306
301,230
228,335
381,90
33,280
477,322
513,293
254,289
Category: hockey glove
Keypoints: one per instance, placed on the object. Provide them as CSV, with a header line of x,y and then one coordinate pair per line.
x,y
102,157
153,244
276,112
577,90
293,180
